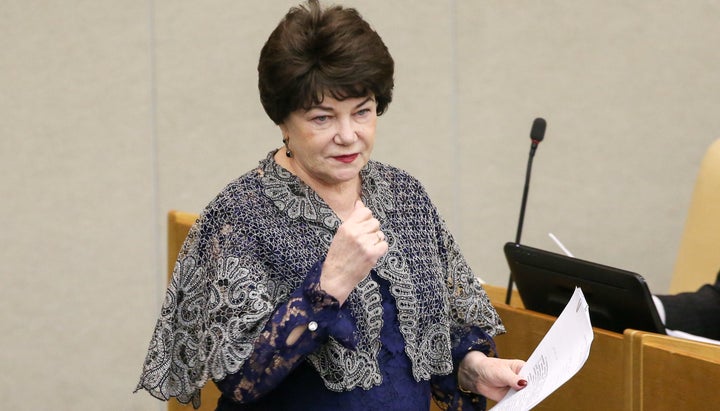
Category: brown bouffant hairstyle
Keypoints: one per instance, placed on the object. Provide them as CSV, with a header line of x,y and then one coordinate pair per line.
x,y
313,52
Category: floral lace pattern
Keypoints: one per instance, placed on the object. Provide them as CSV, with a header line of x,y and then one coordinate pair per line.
x,y
255,244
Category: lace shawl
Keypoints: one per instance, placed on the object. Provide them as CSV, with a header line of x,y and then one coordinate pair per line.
x,y
253,245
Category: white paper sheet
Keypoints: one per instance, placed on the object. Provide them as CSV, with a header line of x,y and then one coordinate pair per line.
x,y
559,356
688,336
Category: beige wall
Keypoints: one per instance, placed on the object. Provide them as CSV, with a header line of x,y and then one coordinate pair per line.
x,y
114,112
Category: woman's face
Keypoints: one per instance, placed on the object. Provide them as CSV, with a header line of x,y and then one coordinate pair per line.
x,y
331,141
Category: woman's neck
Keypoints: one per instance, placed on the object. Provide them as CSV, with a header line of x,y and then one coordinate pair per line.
x,y
340,197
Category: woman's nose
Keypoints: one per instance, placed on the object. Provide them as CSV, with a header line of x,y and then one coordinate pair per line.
x,y
346,133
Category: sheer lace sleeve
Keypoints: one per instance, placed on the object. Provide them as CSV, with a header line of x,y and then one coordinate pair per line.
x,y
309,307
445,387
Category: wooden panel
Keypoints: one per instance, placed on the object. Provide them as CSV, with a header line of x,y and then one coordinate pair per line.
x,y
598,385
179,224
667,373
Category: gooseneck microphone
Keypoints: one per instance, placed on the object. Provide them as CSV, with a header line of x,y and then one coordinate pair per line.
x,y
537,133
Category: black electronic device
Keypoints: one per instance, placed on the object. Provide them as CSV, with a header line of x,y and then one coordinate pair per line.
x,y
618,299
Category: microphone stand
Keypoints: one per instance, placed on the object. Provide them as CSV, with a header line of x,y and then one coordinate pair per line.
x,y
522,212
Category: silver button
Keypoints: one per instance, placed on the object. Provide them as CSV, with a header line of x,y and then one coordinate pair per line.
x,y
312,326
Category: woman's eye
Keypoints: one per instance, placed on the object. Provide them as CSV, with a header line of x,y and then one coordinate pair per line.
x,y
363,112
320,119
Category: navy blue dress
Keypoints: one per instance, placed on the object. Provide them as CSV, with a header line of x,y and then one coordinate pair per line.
x,y
304,386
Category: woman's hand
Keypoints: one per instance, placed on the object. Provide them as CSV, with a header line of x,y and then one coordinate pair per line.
x,y
488,376
355,249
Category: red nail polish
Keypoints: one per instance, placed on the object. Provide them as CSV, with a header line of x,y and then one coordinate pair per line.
x,y
522,383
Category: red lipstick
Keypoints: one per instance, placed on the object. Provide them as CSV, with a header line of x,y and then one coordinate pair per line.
x,y
347,159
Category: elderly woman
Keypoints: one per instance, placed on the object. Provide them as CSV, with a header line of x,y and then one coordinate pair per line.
x,y
324,280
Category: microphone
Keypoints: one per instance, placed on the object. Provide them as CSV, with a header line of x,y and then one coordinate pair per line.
x,y
537,133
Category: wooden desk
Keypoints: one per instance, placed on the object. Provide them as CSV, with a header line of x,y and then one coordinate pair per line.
x,y
599,385
667,373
